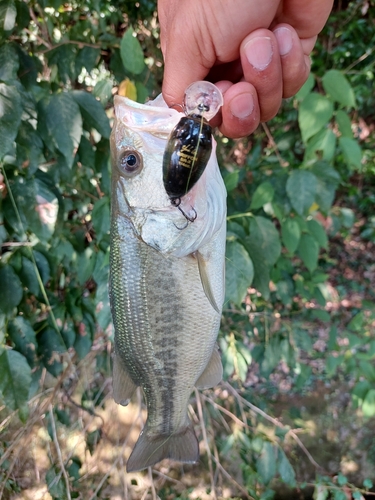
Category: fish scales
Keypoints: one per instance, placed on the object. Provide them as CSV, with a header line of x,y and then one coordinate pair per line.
x,y
165,322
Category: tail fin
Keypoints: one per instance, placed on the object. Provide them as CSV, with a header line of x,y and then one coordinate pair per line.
x,y
147,451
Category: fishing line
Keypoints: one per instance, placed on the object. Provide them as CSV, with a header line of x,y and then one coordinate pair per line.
x,y
195,152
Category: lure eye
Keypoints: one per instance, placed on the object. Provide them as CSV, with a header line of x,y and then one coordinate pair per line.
x,y
131,163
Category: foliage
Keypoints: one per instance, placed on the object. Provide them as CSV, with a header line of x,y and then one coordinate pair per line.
x,y
290,193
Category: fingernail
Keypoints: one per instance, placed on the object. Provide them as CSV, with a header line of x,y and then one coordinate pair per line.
x,y
242,106
284,40
259,52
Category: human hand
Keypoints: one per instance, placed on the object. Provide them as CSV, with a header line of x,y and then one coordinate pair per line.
x,y
255,52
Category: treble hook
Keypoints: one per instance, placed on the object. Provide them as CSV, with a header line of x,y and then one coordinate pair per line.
x,y
176,202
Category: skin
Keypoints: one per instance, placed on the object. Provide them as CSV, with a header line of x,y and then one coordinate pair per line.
x,y
256,52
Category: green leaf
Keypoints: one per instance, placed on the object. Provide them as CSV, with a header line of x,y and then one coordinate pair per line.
x,y
43,266
341,479
352,152
23,336
339,88
10,290
332,363
344,123
65,58
367,370
266,236
320,492
9,62
56,484
15,379
103,309
322,145
262,195
339,495
347,217
92,112
100,217
291,234
239,272
264,248
327,182
103,90
132,53
85,265
266,462
367,483
142,92
317,230
50,345
301,188
308,250
231,180
286,471
10,117
88,57
306,88
314,113
8,13
64,123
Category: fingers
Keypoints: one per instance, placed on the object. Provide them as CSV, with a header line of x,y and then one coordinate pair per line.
x,y
240,113
274,65
261,67
294,58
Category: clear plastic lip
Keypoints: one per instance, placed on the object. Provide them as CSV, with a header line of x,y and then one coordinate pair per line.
x,y
204,99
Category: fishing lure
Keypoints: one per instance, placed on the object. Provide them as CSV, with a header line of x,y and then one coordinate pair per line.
x,y
190,143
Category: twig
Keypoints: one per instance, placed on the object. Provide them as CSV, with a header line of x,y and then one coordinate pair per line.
x,y
282,162
228,476
139,416
227,412
168,478
360,59
58,449
151,479
17,244
274,421
72,42
209,455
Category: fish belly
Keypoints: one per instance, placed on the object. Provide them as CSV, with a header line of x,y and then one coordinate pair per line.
x,y
165,332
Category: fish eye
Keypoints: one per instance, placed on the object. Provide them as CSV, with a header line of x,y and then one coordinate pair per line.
x,y
130,163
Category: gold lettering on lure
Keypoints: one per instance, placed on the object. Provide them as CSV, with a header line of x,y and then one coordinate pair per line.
x,y
186,156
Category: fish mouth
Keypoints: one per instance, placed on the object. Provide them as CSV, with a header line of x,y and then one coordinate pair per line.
x,y
158,120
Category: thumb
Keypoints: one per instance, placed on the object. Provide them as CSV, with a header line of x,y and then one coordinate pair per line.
x,y
183,59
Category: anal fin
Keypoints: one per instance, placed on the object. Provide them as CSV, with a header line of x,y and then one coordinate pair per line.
x,y
206,282
213,373
123,386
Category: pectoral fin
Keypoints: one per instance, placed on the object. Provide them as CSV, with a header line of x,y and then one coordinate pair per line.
x,y
213,372
123,386
205,281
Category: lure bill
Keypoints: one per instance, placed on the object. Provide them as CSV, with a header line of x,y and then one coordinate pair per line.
x,y
166,283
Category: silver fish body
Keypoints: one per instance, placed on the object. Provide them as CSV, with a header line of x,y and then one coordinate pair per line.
x,y
166,282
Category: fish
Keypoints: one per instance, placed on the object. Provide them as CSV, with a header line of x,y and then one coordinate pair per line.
x,y
166,283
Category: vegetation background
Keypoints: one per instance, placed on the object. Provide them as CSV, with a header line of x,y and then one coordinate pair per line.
x,y
294,416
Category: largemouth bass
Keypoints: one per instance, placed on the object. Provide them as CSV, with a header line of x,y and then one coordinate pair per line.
x,y
166,282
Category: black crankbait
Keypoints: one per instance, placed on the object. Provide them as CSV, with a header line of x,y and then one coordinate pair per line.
x,y
190,143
